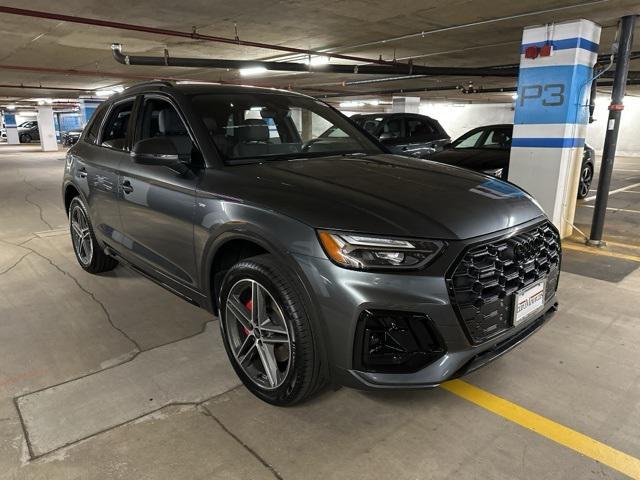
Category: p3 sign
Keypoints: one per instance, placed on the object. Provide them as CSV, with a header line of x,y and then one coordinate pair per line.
x,y
550,95
555,94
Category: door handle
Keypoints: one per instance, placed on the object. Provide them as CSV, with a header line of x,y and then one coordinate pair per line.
x,y
127,187
82,172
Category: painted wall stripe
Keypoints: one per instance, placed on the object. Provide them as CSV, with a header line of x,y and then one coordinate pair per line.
x,y
548,142
556,432
566,43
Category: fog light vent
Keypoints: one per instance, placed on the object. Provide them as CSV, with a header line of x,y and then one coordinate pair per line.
x,y
395,342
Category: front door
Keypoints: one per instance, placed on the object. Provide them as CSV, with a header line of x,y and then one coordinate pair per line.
x,y
157,203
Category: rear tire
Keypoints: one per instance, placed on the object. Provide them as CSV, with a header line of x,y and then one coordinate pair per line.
x,y
88,252
267,333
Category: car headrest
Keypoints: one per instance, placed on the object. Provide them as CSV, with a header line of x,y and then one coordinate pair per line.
x,y
253,130
499,137
169,123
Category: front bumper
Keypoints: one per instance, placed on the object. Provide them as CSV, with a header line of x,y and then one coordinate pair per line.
x,y
341,296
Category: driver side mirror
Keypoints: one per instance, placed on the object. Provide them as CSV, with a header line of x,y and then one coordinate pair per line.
x,y
156,151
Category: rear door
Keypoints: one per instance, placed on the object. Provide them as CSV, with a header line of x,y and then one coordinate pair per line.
x,y
157,204
98,167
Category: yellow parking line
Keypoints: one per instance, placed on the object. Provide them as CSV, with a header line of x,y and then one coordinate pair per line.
x,y
576,441
599,251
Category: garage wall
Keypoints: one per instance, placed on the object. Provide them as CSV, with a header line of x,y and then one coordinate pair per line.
x,y
628,138
458,118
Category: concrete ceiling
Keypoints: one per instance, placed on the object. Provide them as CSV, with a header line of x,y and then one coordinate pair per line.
x,y
332,25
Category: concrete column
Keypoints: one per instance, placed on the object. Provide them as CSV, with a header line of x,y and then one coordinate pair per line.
x,y
47,129
307,126
405,105
552,112
12,129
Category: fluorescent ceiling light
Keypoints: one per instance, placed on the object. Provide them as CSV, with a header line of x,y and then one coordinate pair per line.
x,y
256,109
320,60
11,107
360,103
105,93
246,72
514,96
27,114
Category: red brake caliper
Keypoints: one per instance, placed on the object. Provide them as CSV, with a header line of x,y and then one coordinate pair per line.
x,y
249,305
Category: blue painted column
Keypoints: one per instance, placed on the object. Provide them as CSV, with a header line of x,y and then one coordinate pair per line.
x,y
87,107
12,128
552,112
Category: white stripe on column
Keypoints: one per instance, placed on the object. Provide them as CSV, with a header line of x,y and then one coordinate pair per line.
x,y
569,56
549,130
560,31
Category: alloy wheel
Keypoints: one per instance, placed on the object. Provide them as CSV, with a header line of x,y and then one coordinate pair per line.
x,y
81,235
258,334
586,176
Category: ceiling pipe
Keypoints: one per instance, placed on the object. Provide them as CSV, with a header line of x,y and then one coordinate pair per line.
x,y
425,33
176,33
126,76
459,88
167,61
43,87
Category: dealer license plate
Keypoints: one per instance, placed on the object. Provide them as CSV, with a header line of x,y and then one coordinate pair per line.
x,y
529,301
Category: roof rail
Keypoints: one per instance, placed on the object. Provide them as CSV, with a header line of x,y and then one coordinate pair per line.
x,y
152,83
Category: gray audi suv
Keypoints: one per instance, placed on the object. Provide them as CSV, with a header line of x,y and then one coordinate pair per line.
x,y
326,259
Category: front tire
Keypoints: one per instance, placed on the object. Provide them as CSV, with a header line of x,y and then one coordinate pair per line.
x,y
88,252
267,333
25,138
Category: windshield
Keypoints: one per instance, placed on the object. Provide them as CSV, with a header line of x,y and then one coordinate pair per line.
x,y
268,126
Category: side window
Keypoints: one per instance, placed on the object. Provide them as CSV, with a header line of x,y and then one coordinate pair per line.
x,y
498,139
94,126
392,129
115,130
469,140
160,119
417,127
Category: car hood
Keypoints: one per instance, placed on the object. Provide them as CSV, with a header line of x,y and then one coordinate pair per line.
x,y
382,194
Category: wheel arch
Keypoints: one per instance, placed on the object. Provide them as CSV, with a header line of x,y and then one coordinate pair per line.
x,y
255,242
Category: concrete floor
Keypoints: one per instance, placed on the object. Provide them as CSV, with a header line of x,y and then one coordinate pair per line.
x,y
112,377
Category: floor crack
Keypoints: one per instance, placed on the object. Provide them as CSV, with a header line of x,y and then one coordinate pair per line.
x,y
15,264
28,200
207,412
90,294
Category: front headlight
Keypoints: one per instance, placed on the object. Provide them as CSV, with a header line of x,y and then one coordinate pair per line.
x,y
364,252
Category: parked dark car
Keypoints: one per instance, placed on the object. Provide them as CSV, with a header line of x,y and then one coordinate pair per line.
x,y
487,149
405,133
324,259
28,131
71,137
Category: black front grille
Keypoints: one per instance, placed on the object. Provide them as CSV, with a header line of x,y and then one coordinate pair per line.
x,y
485,280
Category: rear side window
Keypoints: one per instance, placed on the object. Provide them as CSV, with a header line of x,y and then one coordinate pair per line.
x,y
94,126
417,127
116,129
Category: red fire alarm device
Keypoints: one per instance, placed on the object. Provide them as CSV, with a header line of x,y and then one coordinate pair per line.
x,y
546,50
531,52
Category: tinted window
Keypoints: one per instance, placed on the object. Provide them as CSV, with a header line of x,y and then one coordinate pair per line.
x,y
497,139
161,119
417,127
94,127
392,128
115,130
273,126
